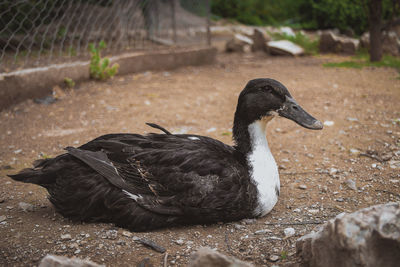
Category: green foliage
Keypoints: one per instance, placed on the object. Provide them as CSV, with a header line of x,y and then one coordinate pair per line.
x,y
69,82
362,60
284,254
307,14
99,67
310,46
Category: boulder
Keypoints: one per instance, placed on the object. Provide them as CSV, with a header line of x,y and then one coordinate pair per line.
x,y
211,258
333,43
61,261
260,39
368,237
239,43
287,31
390,42
284,47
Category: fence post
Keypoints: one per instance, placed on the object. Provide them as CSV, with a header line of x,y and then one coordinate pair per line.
x,y
208,22
173,8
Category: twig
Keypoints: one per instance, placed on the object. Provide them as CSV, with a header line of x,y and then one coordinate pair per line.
x,y
371,157
300,173
165,259
227,242
151,244
296,223
389,192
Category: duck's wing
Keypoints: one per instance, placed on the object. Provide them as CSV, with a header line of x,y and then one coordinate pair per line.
x,y
164,173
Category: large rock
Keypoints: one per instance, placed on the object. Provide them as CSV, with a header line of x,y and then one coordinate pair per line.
x,y
284,47
368,237
210,258
260,39
239,43
390,42
61,261
332,43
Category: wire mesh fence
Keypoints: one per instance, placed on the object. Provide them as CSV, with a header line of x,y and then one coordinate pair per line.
x,y
42,32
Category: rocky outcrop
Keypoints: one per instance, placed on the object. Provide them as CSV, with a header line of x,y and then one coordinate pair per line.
x,y
369,237
211,258
61,261
332,43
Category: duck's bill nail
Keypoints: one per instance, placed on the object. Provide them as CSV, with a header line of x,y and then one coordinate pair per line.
x,y
291,110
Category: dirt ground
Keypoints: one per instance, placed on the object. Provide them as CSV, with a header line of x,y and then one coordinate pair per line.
x,y
348,165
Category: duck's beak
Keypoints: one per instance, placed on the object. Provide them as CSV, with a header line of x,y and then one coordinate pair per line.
x,y
291,110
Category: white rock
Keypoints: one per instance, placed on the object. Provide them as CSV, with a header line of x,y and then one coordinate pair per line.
x,y
289,232
303,186
211,258
2,218
26,206
285,47
329,123
179,242
351,184
61,261
368,237
354,151
394,164
66,237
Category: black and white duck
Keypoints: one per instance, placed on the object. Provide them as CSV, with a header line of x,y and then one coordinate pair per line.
x,y
143,182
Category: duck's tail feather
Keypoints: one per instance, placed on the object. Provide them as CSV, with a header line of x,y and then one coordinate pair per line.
x,y
42,173
159,127
30,175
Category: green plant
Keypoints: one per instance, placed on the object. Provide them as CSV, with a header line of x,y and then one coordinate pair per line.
x,y
362,60
99,67
310,46
69,82
284,254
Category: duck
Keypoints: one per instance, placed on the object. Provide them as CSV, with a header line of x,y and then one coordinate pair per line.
x,y
144,182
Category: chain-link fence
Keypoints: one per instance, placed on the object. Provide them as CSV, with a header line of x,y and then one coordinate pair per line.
x,y
42,32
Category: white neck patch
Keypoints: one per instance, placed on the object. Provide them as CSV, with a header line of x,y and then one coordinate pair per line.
x,y
264,169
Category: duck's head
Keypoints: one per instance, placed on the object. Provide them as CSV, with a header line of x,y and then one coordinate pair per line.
x,y
264,98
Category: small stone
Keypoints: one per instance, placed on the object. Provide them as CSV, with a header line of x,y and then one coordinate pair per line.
x,y
17,151
262,232
289,232
249,221
66,237
303,186
274,258
126,233
340,199
210,130
329,123
239,226
296,210
2,218
179,242
354,151
26,206
333,171
313,211
351,184
394,164
352,119
77,251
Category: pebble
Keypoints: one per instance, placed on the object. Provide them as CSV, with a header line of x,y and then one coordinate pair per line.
x,y
340,199
303,186
352,119
262,232
179,242
249,221
210,130
354,151
313,211
239,226
274,258
351,184
66,237
394,164
25,206
126,233
2,218
296,210
329,123
289,232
